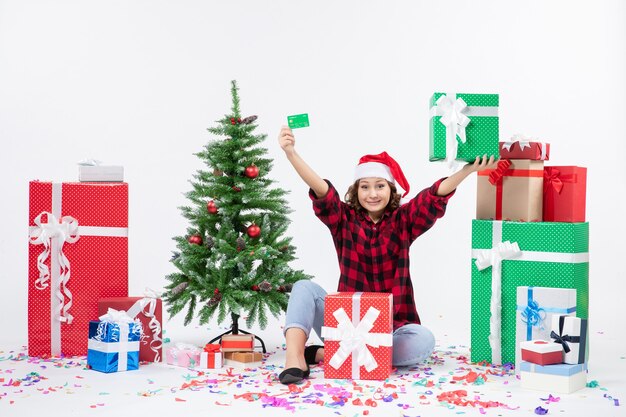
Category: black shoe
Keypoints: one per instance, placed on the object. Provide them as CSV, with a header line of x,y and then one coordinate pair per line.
x,y
310,352
293,375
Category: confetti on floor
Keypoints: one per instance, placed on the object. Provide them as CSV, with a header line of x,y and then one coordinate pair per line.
x,y
448,382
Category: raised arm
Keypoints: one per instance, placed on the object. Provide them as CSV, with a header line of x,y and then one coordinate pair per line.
x,y
287,142
449,184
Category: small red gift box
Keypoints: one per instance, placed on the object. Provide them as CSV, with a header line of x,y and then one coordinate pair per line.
x,y
541,352
564,194
149,311
237,343
512,191
78,253
211,356
520,147
357,335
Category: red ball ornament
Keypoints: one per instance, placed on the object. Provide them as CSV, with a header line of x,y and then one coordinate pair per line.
x,y
252,171
254,231
236,189
211,207
216,291
255,288
195,239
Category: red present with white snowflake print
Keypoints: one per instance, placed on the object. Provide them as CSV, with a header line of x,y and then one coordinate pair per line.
x,y
357,335
78,254
149,311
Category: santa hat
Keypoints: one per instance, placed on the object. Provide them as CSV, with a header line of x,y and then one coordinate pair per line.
x,y
381,166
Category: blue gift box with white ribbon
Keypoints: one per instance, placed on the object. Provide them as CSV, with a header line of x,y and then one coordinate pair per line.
x,y
113,344
535,308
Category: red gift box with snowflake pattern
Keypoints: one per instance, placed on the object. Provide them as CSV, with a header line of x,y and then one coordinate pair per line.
x,y
78,254
357,333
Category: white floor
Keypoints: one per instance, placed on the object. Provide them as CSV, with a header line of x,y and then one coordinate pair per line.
x,y
31,386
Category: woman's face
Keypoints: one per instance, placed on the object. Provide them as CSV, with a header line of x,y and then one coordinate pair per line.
x,y
374,195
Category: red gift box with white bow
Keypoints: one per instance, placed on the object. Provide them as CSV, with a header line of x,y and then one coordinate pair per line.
x,y
78,253
357,335
148,310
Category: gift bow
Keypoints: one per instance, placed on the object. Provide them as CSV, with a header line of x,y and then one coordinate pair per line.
x,y
524,142
355,339
497,174
452,117
533,315
116,316
123,322
552,178
212,348
563,339
504,250
64,230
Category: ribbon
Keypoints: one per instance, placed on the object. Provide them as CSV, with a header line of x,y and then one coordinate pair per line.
x,y
354,337
211,357
491,257
150,300
451,110
526,142
89,162
120,331
52,234
494,258
532,315
211,347
496,177
521,140
565,339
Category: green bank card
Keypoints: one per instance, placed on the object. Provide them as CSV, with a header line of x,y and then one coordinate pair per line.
x,y
298,120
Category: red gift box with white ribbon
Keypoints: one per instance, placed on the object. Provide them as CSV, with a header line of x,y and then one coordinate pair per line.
x,y
522,147
357,335
148,310
78,253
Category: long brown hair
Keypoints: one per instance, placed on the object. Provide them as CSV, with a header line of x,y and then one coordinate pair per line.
x,y
352,197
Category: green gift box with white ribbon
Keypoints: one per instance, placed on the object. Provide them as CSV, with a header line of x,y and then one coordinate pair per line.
x,y
506,255
463,126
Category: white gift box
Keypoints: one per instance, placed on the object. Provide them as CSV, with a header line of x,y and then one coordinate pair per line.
x,y
562,378
571,332
535,308
100,173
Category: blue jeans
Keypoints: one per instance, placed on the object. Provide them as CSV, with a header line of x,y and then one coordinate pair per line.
x,y
412,343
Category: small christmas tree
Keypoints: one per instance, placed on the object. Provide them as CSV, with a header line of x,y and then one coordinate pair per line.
x,y
234,257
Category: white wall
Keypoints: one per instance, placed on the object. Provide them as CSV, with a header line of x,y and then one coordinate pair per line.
x,y
138,83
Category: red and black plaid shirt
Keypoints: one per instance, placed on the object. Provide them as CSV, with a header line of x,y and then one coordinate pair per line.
x,y
374,257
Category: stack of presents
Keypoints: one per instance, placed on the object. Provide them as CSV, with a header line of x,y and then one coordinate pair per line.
x,y
530,260
530,268
78,301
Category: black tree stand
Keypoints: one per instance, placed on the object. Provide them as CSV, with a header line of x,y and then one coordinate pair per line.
x,y
234,329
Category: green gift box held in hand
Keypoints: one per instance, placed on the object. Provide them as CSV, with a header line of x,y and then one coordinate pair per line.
x,y
463,126
506,255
